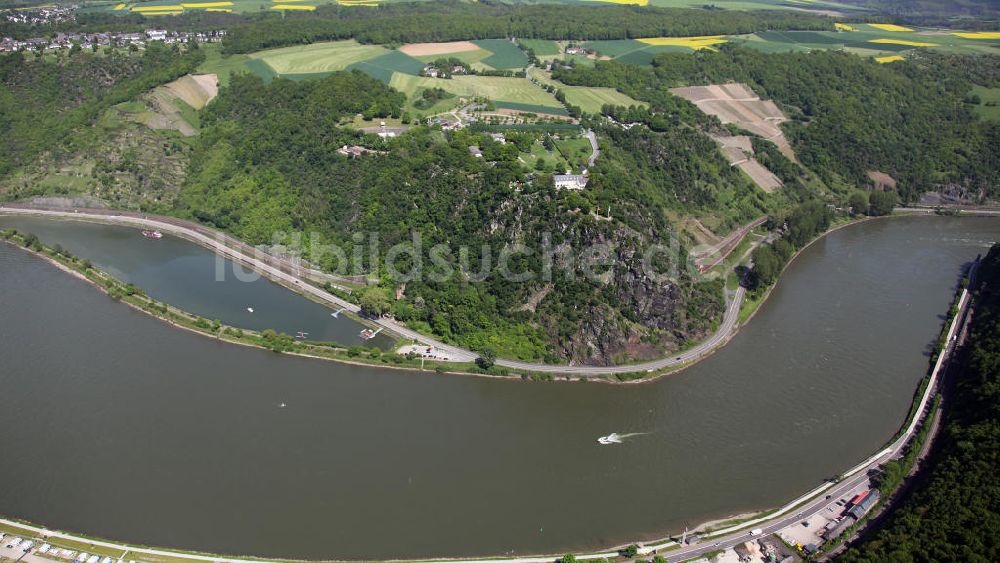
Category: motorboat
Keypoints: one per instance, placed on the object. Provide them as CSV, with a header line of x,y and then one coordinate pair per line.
x,y
612,438
155,235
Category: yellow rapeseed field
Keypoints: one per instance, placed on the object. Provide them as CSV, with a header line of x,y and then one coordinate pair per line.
x,y
904,42
177,8
227,10
293,7
889,27
207,4
696,43
120,7
888,59
978,34
844,27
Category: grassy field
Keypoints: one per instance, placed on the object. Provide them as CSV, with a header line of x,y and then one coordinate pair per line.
x,y
472,58
541,47
989,96
221,66
591,100
318,57
383,66
513,90
553,160
506,55
633,51
574,151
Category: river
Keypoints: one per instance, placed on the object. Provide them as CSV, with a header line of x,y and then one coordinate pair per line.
x,y
195,279
117,425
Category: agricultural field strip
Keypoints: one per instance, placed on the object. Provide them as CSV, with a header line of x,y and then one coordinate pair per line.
x,y
318,57
515,90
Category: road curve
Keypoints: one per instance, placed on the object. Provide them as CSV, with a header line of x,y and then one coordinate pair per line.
x,y
279,270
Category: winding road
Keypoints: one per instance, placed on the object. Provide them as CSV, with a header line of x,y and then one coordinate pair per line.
x,y
295,277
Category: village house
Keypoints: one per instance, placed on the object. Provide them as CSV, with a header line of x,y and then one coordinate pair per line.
x,y
353,151
570,181
474,151
499,137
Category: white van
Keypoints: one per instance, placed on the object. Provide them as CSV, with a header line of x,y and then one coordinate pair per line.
x,y
756,532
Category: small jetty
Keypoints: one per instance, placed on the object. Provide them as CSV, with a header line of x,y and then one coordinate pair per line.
x,y
154,235
336,314
368,334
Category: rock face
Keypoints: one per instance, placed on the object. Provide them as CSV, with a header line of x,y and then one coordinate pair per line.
x,y
644,312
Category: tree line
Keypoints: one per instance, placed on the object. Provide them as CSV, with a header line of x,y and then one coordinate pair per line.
x,y
452,20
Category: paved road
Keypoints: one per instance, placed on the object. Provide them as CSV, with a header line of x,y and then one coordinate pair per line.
x,y
275,269
726,330
791,513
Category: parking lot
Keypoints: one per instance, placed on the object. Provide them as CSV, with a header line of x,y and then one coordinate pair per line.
x,y
808,530
31,549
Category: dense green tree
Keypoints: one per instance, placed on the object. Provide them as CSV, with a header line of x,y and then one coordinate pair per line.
x,y
882,203
858,202
374,301
487,357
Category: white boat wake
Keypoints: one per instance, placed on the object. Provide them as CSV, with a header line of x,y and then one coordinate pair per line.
x,y
616,438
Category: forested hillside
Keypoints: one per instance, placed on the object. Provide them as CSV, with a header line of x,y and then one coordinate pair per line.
x,y
454,20
266,161
955,515
849,115
931,8
46,104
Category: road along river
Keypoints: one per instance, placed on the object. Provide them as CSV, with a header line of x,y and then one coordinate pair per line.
x,y
183,274
117,425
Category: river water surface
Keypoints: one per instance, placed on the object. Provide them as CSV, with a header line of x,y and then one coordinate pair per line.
x,y
195,279
118,425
